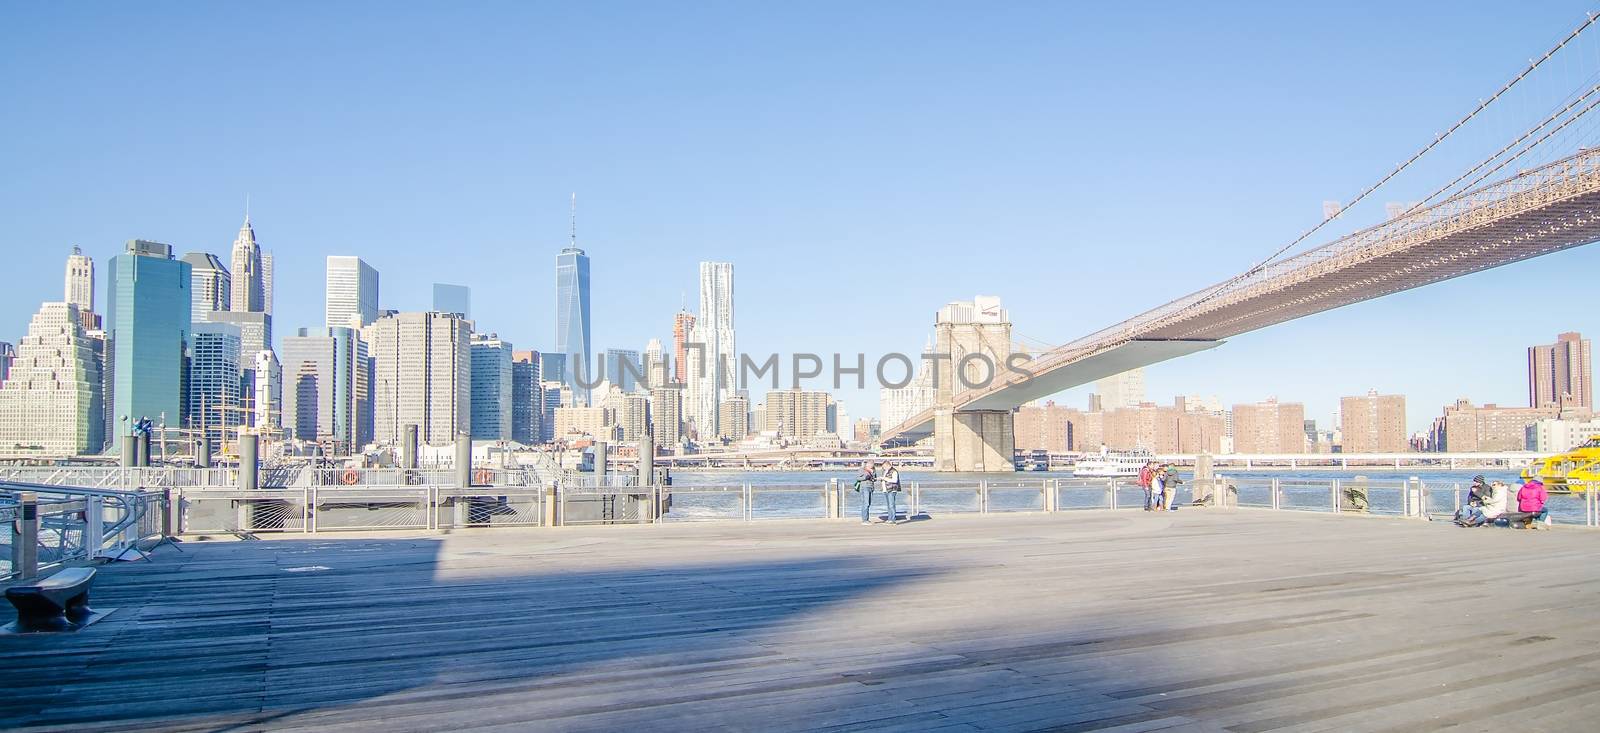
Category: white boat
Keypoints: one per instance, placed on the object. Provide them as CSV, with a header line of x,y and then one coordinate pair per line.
x,y
1111,464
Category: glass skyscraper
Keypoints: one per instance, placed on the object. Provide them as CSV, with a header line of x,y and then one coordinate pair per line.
x,y
147,315
452,299
572,321
352,292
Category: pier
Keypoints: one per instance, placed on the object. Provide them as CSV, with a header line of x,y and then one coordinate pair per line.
x,y
1201,619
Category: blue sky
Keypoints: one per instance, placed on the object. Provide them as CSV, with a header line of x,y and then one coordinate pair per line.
x,y
861,164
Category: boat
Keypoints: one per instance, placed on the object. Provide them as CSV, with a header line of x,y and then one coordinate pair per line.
x,y
1112,464
1576,470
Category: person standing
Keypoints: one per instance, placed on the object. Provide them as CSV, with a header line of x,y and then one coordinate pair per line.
x,y
1169,488
1146,478
866,481
891,492
1158,488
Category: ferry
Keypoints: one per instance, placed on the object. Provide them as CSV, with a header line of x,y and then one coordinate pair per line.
x,y
1112,464
1576,470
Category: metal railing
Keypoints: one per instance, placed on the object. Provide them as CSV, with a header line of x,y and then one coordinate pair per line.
x,y
314,508
47,526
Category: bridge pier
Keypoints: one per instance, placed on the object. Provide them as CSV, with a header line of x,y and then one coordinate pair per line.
x,y
975,441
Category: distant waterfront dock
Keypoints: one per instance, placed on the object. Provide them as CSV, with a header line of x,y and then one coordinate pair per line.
x,y
1203,619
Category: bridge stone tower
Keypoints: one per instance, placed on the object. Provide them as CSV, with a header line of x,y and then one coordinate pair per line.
x,y
976,336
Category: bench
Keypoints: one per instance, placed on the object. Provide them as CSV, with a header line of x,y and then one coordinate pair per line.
x,y
57,603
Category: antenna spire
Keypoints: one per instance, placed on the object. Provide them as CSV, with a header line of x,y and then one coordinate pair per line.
x,y
574,219
247,208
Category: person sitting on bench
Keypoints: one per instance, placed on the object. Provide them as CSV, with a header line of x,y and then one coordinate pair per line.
x,y
1494,505
1531,499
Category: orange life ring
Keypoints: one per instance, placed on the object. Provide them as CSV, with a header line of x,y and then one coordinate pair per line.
x,y
482,476
349,477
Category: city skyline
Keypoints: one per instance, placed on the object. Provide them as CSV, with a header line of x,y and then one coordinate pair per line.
x,y
500,238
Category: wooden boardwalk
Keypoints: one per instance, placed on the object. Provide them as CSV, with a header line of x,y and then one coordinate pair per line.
x,y
1198,620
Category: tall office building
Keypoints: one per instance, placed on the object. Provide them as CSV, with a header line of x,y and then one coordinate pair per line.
x,y
216,406
1560,374
556,395
80,287
249,285
1373,423
491,387
666,415
210,285
552,368
7,354
148,321
1121,390
623,369
527,398
266,408
255,329
714,368
682,325
630,412
351,292
572,321
422,375
50,401
266,283
452,299
656,369
327,389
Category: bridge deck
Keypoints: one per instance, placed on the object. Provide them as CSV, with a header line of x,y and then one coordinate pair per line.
x,y
1199,620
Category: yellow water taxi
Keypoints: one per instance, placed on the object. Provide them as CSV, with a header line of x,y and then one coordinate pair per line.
x,y
1575,470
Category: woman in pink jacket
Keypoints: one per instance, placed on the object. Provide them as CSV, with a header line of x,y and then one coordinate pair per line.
x,y
1530,500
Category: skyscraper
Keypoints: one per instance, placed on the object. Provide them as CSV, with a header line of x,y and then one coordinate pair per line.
x,y
572,317
1121,390
1373,423
713,369
666,416
422,375
491,387
527,398
210,285
623,369
682,325
249,285
326,387
148,315
267,404
352,293
50,402
266,283
452,299
655,365
80,287
1560,374
215,403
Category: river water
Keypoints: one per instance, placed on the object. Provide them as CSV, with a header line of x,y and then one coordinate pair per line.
x,y
704,495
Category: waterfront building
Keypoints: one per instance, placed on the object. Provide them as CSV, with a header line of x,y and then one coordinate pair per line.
x,y
327,389
734,421
1160,428
351,293
216,407
50,399
1372,423
796,413
248,292
492,386
866,430
623,369
758,416
148,321
630,412
1269,427
713,369
527,398
572,320
572,423
79,289
555,394
682,325
1121,390
1465,428
666,415
1045,427
1560,374
455,299
422,375
1555,435
210,285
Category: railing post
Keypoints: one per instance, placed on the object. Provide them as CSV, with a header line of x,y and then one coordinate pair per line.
x,y
94,527
1048,487
1338,506
983,496
830,498
548,497
1414,507
1111,493
25,536
748,513
166,512
1276,503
